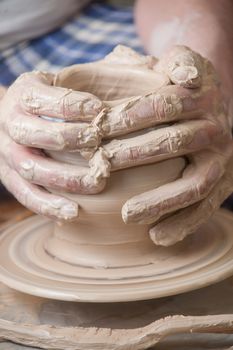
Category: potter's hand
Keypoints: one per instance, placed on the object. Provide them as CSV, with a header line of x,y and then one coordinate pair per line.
x,y
186,221
190,102
200,130
23,166
177,209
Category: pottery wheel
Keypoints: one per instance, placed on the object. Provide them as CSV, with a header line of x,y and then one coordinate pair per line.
x,y
200,260
52,324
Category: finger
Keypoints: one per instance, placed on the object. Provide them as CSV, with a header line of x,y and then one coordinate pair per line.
x,y
197,181
34,167
170,103
176,227
36,199
183,66
39,97
40,133
164,143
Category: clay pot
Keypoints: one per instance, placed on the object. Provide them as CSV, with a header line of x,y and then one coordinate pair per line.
x,y
100,238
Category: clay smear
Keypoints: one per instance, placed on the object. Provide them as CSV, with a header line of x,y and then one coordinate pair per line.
x,y
113,339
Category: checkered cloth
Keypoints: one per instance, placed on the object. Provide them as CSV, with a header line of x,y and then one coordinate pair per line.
x,y
87,37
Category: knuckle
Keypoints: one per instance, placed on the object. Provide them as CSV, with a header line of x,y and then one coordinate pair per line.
x,y
201,189
29,102
175,140
28,77
44,77
23,77
27,169
207,182
19,159
167,107
69,105
17,131
23,83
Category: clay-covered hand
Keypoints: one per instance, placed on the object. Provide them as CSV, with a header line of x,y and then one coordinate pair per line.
x,y
193,122
23,133
176,227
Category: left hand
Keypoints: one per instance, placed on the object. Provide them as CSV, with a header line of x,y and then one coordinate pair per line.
x,y
196,126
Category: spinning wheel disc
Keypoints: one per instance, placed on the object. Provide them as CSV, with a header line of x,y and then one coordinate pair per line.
x,y
201,259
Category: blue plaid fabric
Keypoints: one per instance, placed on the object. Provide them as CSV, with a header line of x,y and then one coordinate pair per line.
x,y
89,36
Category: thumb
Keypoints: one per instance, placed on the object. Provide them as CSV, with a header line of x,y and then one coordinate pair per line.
x,y
183,66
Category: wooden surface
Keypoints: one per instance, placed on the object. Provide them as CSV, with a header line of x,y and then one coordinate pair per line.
x,y
214,300
12,212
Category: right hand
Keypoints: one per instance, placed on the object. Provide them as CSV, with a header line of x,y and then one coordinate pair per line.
x,y
198,127
24,168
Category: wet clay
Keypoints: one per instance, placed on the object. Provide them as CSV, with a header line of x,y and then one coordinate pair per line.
x,y
28,266
100,238
38,322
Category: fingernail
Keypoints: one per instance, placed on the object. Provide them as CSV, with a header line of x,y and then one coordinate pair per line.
x,y
131,215
27,169
125,213
69,211
160,237
186,75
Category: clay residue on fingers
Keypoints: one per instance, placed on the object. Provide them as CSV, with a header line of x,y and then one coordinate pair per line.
x,y
53,136
139,113
159,144
187,220
197,181
184,66
99,165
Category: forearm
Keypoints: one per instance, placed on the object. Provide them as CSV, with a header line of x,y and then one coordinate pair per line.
x,y
203,25
2,91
